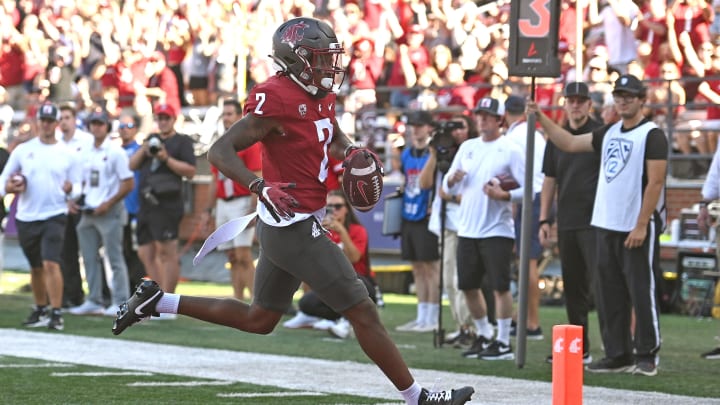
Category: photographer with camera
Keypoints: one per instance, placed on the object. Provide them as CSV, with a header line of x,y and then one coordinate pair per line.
x,y
107,179
163,160
446,138
418,244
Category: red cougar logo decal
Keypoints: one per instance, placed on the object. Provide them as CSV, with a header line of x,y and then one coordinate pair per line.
x,y
294,33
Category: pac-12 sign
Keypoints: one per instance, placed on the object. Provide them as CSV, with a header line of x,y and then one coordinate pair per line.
x,y
534,38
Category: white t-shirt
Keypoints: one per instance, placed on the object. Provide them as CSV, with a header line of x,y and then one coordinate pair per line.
x,y
620,39
480,216
103,169
46,167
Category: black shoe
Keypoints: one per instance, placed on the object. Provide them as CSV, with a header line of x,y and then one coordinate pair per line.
x,y
497,351
480,344
37,318
587,359
713,354
614,365
464,338
645,367
530,334
451,397
140,306
56,320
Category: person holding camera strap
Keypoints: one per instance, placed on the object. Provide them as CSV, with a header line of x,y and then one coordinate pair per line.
x,y
163,160
446,138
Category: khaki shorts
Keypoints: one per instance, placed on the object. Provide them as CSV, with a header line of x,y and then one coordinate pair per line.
x,y
229,210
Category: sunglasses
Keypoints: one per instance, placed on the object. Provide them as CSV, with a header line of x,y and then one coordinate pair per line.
x,y
128,126
335,206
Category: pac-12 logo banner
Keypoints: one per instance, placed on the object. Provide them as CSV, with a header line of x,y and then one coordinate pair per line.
x,y
534,38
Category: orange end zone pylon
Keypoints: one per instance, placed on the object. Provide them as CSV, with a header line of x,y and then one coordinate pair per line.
x,y
567,365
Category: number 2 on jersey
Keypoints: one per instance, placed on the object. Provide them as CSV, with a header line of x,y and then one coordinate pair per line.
x,y
325,134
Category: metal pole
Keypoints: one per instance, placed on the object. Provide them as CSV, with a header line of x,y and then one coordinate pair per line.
x,y
579,21
526,219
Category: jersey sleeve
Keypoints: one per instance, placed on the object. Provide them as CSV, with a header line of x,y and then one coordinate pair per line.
x,y
656,147
265,100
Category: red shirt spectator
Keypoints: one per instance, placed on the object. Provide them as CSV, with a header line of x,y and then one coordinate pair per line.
x,y
252,157
12,65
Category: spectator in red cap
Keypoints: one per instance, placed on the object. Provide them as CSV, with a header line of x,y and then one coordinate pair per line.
x,y
163,160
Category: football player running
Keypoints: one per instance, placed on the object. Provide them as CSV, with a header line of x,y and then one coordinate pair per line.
x,y
293,115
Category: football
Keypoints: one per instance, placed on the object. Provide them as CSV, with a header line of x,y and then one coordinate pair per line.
x,y
362,181
506,181
19,180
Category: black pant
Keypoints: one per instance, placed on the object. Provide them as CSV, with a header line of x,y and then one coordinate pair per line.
x,y
579,267
135,268
626,283
70,265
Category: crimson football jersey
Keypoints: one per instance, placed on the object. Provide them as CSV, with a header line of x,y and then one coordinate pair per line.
x,y
300,154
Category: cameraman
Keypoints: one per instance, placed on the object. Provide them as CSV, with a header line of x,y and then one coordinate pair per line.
x,y
446,138
163,160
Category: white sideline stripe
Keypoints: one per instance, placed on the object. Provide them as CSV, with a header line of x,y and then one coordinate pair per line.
x,y
298,373
40,365
100,374
178,383
270,394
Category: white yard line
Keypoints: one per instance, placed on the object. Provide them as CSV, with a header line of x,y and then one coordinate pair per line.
x,y
297,373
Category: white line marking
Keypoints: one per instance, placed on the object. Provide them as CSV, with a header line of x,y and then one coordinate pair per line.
x,y
40,365
179,383
270,394
298,373
101,374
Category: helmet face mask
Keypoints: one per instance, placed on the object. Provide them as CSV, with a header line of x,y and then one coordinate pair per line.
x,y
307,50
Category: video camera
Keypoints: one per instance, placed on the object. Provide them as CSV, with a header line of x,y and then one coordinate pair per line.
x,y
444,143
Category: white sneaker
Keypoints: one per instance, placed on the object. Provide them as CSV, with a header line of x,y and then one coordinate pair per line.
x,y
301,320
323,324
87,308
342,329
112,311
407,327
424,327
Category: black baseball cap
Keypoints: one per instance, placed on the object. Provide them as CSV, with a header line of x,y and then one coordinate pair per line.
x,y
515,105
48,111
576,89
99,116
419,117
490,106
629,84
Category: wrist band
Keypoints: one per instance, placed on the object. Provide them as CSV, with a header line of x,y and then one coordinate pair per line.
x,y
348,149
256,185
545,222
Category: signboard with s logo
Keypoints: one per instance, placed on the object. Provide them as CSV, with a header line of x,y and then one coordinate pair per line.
x,y
534,38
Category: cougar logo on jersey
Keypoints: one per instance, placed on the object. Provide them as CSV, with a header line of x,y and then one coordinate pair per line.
x,y
616,157
302,109
294,33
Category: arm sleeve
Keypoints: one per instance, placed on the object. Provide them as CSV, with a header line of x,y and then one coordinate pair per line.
x,y
656,146
597,138
517,168
548,164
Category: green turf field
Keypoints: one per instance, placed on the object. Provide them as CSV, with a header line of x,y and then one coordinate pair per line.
x,y
681,369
